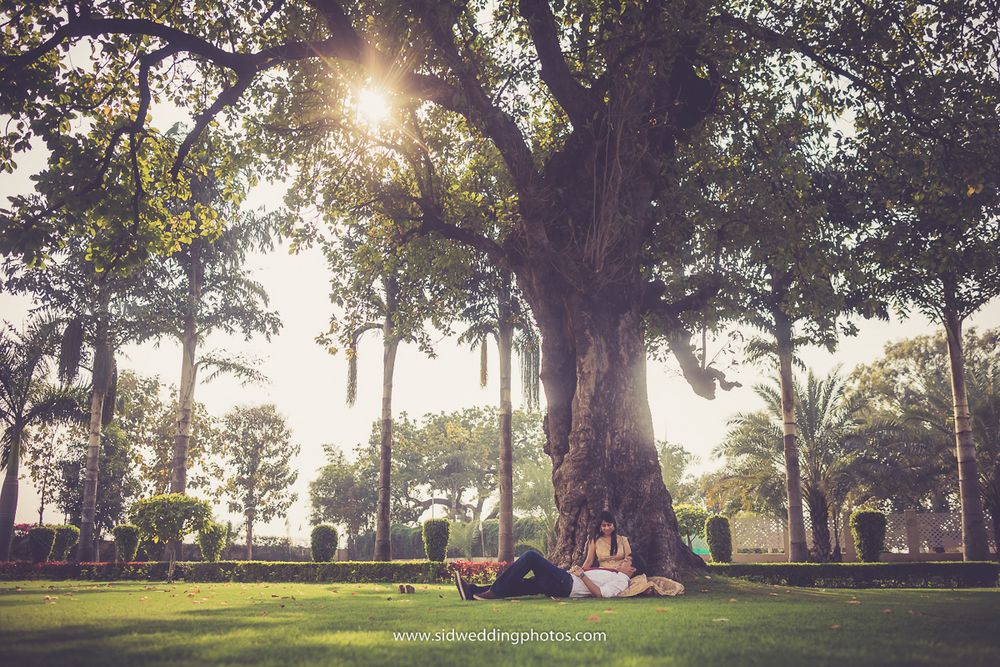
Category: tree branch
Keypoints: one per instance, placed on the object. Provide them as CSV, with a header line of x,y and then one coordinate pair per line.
x,y
574,98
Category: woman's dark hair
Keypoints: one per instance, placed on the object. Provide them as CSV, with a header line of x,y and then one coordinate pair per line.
x,y
606,516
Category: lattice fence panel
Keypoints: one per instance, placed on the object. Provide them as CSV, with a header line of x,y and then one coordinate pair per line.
x,y
895,533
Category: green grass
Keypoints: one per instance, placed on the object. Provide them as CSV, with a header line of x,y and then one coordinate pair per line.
x,y
719,621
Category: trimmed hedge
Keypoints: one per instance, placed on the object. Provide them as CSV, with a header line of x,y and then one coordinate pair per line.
x,y
436,539
418,572
126,542
40,541
868,532
211,540
323,543
944,574
66,539
719,538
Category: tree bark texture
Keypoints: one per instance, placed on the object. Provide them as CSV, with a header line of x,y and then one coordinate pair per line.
x,y
599,430
506,518
797,548
383,543
8,496
974,541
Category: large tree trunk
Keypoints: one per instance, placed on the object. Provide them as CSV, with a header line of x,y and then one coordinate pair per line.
x,y
101,378
797,548
383,544
819,512
974,542
8,496
599,430
506,528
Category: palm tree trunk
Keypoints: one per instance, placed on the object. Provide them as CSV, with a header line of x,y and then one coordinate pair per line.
x,y
8,496
383,544
797,550
974,542
506,518
185,407
819,512
101,378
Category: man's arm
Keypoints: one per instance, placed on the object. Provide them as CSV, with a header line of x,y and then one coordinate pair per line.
x,y
594,589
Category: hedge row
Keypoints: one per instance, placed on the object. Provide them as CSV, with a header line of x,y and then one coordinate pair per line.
x,y
240,571
949,574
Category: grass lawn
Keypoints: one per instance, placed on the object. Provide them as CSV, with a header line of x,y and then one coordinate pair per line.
x,y
719,621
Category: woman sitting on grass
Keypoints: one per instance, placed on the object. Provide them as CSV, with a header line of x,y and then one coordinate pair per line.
x,y
607,548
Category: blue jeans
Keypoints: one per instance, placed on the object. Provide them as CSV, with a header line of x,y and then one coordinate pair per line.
x,y
548,580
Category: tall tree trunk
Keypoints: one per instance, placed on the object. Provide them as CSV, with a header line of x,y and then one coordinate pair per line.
x,y
819,512
8,495
599,430
185,407
797,548
383,543
185,395
101,378
974,542
506,528
249,517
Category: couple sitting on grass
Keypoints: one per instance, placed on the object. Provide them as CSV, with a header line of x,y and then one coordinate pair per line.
x,y
618,573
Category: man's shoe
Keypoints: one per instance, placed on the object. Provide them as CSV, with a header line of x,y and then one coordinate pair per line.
x,y
486,595
460,585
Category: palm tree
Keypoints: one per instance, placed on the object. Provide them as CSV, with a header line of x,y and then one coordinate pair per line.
x,y
832,438
496,310
26,400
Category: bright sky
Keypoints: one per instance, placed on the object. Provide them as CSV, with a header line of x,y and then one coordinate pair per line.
x,y
308,385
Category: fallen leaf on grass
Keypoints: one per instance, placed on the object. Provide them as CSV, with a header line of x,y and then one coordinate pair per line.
x,y
917,613
609,611
775,595
594,618
835,626
660,610
854,602
887,611
733,600
720,620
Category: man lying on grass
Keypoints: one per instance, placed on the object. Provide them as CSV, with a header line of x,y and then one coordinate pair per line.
x,y
552,580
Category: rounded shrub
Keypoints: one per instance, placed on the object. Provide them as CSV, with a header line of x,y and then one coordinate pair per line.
x,y
40,541
719,538
868,531
126,542
66,539
211,541
323,541
436,539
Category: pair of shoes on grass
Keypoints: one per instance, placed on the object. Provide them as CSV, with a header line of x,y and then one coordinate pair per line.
x,y
465,592
406,588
